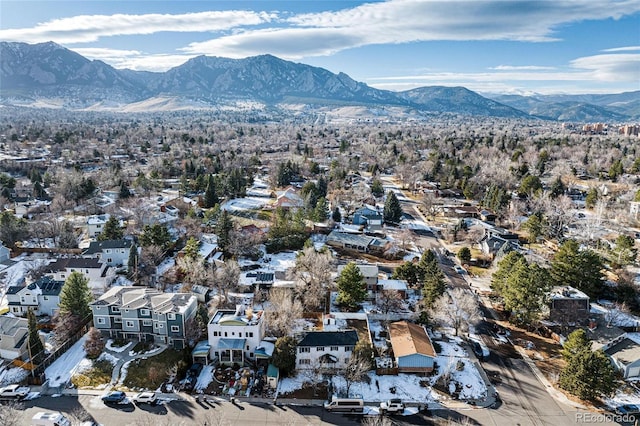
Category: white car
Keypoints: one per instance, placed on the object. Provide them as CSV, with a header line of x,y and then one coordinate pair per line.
x,y
392,406
145,398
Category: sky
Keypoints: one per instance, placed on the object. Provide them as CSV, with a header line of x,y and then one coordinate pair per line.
x,y
489,46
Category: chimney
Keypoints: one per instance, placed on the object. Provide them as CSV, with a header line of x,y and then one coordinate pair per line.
x,y
592,324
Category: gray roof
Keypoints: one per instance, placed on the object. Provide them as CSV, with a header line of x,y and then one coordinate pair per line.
x,y
144,297
352,239
9,326
76,263
625,351
330,338
99,246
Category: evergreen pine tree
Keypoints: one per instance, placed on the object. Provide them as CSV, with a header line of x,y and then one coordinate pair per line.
x,y
132,262
336,216
210,196
223,230
36,348
392,210
588,375
112,230
75,296
351,287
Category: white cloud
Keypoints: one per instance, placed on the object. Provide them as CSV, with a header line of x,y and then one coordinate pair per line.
x,y
611,67
133,59
520,68
403,21
623,49
89,28
603,73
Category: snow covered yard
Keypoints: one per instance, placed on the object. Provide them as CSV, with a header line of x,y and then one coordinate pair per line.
x,y
59,373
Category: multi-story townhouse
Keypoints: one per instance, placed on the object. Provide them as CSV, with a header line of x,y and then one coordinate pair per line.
x,y
145,314
234,336
328,349
41,296
109,252
13,338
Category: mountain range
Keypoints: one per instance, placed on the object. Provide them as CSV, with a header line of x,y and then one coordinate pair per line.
x,y
49,74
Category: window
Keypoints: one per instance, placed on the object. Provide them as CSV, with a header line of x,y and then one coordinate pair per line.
x,y
304,350
115,309
233,333
250,334
240,334
225,334
109,260
147,323
250,354
171,316
101,321
175,328
160,325
320,349
305,362
129,324
334,349
348,348
117,320
346,360
16,309
22,299
144,312
155,325
215,334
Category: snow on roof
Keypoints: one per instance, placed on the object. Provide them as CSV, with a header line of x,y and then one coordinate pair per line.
x,y
567,292
393,284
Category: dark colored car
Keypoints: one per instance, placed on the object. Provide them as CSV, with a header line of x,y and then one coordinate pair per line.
x,y
114,397
628,409
194,370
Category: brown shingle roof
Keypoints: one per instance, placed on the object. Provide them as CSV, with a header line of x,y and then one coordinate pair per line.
x,y
408,338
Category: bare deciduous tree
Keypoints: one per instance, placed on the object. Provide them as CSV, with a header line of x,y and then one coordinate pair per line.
x,y
10,413
389,301
312,276
225,278
355,371
458,310
283,311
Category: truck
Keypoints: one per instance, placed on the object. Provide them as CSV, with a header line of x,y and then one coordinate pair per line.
x,y
14,391
48,418
392,406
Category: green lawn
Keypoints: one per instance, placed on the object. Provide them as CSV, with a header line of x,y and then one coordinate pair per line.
x,y
151,372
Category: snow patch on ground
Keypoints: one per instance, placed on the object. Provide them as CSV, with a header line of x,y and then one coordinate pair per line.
x,y
118,349
13,375
205,378
60,372
240,204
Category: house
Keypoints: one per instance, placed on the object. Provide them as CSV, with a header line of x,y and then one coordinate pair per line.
x,y
412,348
14,333
235,336
328,349
5,253
96,223
568,305
92,269
624,353
41,296
202,293
358,242
370,274
289,199
145,314
368,216
493,245
401,286
110,252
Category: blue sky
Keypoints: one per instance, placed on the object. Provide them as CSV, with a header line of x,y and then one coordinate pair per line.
x,y
500,46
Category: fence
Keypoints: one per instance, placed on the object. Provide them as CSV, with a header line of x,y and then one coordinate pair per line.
x,y
64,347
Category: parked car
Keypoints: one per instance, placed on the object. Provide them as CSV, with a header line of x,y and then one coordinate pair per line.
x,y
481,351
459,269
114,397
392,406
145,398
14,391
190,383
194,370
628,409
48,418
345,405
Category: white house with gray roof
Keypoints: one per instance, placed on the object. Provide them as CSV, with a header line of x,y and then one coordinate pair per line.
x,y
330,349
144,314
109,252
41,296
